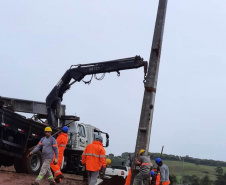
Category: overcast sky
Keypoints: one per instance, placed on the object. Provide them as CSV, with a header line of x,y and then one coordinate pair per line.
x,y
39,40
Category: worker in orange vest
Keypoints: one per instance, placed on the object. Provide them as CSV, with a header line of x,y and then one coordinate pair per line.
x,y
155,174
94,159
164,172
128,178
62,140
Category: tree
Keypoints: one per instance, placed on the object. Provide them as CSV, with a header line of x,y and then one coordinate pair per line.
x,y
205,181
197,162
125,155
111,155
195,180
219,176
173,179
191,180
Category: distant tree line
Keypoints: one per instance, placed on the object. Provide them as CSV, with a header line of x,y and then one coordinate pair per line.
x,y
207,162
187,179
117,160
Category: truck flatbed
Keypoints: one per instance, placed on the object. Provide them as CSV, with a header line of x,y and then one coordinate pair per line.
x,y
28,132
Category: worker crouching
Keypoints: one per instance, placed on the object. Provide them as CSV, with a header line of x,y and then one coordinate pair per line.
x,y
62,140
48,145
155,174
145,164
93,158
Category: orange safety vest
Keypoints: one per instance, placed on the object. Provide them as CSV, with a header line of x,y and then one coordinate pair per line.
x,y
62,140
157,182
128,177
94,156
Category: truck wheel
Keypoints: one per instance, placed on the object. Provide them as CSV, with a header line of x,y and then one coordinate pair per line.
x,y
19,166
34,163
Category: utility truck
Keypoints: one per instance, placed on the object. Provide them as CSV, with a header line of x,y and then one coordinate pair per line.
x,y
18,134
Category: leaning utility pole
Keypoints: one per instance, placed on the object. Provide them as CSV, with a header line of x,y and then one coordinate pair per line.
x,y
144,129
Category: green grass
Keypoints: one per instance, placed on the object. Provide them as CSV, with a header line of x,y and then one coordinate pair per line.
x,y
191,169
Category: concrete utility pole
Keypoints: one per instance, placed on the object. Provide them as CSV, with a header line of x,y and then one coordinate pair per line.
x,y
144,129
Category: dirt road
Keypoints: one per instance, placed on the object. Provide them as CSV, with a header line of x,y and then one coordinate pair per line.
x,y
8,176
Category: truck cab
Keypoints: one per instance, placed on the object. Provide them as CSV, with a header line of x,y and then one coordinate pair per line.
x,y
77,136
80,135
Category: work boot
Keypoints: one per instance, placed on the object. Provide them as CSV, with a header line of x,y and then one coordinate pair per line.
x,y
34,183
59,178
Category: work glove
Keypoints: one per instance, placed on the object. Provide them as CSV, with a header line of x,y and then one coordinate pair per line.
x,y
55,161
83,167
29,154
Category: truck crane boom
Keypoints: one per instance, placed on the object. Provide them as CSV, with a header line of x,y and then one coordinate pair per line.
x,y
77,73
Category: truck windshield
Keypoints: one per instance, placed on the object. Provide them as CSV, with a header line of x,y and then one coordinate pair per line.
x,y
82,131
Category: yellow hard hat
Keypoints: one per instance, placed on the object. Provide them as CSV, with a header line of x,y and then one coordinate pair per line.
x,y
48,129
108,161
141,151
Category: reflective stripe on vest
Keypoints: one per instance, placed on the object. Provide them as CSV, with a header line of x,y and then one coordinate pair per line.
x,y
143,164
95,155
57,172
62,145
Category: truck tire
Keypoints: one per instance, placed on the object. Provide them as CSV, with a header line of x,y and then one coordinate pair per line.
x,y
33,163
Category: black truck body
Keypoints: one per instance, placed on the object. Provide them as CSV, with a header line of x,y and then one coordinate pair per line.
x,y
19,135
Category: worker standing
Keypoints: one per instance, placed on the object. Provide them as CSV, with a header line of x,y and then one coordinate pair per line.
x,y
94,159
62,140
145,164
48,145
164,172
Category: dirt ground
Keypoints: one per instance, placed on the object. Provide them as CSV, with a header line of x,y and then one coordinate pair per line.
x,y
8,176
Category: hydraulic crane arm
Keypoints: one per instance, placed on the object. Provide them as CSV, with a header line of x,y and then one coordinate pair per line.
x,y
78,72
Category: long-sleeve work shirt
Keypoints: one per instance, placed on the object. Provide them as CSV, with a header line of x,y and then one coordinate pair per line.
x,y
48,146
164,173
